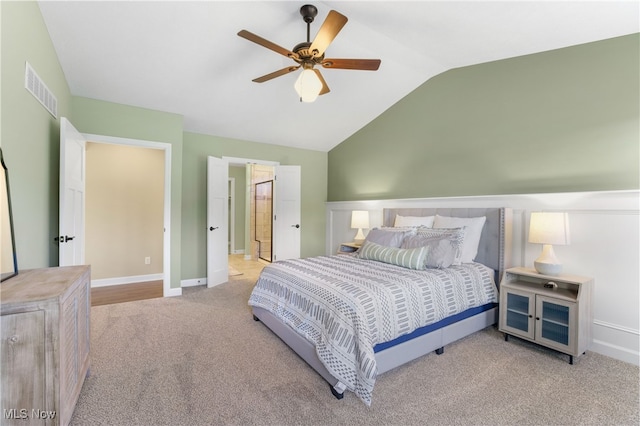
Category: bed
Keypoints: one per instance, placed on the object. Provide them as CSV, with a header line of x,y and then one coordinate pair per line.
x,y
352,319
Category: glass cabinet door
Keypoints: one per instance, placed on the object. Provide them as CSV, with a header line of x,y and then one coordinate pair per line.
x,y
555,323
518,315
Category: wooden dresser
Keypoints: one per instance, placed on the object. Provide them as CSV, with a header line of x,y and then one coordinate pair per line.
x,y
44,353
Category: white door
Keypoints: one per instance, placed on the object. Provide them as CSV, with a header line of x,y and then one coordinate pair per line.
x,y
72,195
286,220
217,221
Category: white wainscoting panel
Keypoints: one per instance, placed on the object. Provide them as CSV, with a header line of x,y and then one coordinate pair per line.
x,y
605,245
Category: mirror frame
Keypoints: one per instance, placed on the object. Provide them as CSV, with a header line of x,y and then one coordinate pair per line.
x,y
5,275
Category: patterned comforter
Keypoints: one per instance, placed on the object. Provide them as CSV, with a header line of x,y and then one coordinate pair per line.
x,y
345,306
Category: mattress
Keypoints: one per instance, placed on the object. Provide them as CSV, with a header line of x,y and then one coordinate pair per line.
x,y
346,306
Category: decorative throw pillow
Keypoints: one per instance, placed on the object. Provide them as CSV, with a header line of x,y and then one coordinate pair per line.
x,y
473,231
407,258
403,221
389,237
442,250
455,236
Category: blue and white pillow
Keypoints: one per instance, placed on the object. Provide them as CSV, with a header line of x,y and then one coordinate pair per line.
x,y
390,237
455,236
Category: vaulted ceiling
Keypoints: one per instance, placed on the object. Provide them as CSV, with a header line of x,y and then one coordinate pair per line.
x,y
186,57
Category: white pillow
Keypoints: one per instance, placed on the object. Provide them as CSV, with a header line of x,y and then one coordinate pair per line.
x,y
473,230
402,221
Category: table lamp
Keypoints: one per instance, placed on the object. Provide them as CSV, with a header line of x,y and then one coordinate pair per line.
x,y
549,229
359,220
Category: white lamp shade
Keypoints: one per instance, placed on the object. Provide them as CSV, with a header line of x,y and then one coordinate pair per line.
x,y
359,219
308,85
549,228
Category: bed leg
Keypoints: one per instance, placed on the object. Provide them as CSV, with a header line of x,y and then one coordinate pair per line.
x,y
335,393
440,351
338,393
255,318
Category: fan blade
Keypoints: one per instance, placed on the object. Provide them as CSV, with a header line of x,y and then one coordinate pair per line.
x,y
328,31
275,74
325,88
352,64
266,43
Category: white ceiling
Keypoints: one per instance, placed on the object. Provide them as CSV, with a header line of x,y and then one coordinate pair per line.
x,y
185,57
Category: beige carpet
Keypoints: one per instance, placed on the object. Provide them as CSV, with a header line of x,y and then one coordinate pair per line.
x,y
200,359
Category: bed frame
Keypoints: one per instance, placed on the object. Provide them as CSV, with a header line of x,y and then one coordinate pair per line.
x,y
494,251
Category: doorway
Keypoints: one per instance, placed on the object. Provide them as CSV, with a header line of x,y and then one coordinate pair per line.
x,y
151,263
242,221
285,241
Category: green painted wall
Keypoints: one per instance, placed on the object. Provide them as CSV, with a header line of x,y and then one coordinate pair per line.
x,y
563,120
196,149
29,135
124,121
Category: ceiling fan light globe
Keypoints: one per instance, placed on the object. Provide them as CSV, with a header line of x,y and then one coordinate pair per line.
x,y
308,85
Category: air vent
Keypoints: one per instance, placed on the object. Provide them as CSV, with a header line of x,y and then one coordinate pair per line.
x,y
34,84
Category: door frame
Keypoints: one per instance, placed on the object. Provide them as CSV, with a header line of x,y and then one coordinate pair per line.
x,y
166,147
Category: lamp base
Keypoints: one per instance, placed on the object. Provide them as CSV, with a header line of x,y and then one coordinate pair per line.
x,y
547,263
359,238
548,268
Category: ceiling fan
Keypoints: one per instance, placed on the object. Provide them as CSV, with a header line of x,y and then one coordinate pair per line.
x,y
308,54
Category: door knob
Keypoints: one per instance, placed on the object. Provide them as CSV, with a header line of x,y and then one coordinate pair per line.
x,y
295,226
211,228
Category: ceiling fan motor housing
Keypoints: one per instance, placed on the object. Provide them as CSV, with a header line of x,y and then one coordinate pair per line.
x,y
308,12
305,55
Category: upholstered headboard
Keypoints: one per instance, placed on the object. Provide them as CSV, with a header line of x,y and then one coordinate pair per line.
x,y
494,249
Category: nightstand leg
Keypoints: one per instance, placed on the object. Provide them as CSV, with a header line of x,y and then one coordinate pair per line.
x,y
571,359
506,337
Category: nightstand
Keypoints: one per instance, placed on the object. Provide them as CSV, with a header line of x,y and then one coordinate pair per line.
x,y
346,248
553,311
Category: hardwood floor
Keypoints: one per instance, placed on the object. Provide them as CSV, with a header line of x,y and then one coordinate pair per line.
x,y
250,270
125,293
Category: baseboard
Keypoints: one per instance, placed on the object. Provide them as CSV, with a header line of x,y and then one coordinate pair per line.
x,y
173,292
104,282
241,251
616,342
193,282
617,352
